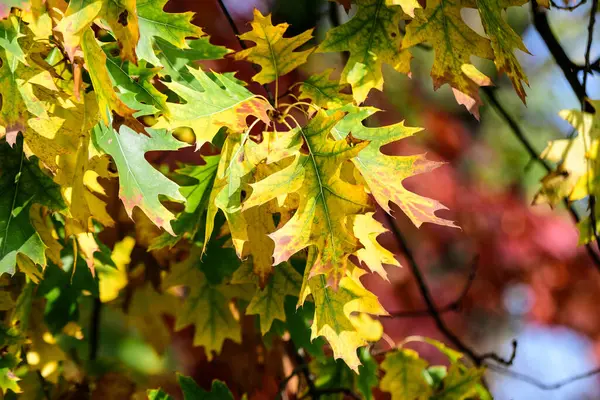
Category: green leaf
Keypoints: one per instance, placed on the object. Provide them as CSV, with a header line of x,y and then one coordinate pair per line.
x,y
372,37
385,174
268,302
139,183
222,103
332,374
367,378
191,391
63,289
404,376
196,190
175,60
22,184
135,86
206,306
158,394
274,53
324,92
155,23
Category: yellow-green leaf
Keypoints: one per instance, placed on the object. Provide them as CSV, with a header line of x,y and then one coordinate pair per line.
x,y
95,61
268,303
504,39
324,92
326,201
206,307
333,309
274,53
404,377
454,43
223,103
383,173
372,37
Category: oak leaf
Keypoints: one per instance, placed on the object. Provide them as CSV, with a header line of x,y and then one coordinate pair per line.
x,y
274,53
383,173
155,23
139,183
372,37
325,199
22,184
222,103
440,24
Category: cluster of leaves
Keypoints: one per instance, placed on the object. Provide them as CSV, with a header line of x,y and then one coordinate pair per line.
x,y
90,87
576,158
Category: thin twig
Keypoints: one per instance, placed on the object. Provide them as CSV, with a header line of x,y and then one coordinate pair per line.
x,y
95,329
539,384
236,32
569,69
520,135
433,310
452,306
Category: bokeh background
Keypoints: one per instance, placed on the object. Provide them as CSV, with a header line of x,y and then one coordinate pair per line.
x,y
532,282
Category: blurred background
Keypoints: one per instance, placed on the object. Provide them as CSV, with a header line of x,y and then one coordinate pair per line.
x,y
532,281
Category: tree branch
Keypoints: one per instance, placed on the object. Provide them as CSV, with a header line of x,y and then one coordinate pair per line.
x,y
433,310
236,32
569,69
520,135
539,384
452,306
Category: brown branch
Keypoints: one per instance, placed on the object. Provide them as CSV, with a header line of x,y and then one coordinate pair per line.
x,y
452,306
520,135
569,69
236,32
539,384
471,354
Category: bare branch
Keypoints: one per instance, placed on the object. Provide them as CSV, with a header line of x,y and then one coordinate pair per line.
x,y
433,310
539,384
236,31
452,306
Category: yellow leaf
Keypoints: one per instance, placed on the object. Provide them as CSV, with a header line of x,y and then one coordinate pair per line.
x,y
384,174
325,199
333,310
441,25
78,18
274,53
112,280
95,61
373,254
